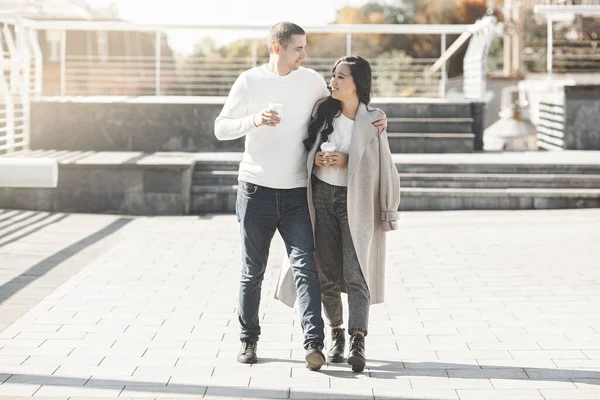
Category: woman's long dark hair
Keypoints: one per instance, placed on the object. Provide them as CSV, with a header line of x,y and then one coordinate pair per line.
x,y
329,108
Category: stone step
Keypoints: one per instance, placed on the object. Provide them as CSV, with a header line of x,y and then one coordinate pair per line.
x,y
221,199
502,181
424,110
435,199
442,180
213,199
430,125
490,168
407,167
431,142
215,177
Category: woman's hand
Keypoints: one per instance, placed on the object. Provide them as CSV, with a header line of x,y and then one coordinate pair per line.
x,y
381,123
331,159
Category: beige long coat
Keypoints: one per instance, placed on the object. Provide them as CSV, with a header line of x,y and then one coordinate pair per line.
x,y
373,201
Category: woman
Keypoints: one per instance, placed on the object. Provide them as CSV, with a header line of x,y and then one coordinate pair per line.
x,y
354,195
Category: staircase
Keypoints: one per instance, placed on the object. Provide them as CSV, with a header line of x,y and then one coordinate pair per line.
x,y
535,180
430,127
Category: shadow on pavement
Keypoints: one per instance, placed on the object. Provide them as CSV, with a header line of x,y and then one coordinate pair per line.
x,y
38,270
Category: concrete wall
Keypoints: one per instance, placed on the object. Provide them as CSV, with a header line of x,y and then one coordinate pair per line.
x,y
582,125
109,185
184,124
128,124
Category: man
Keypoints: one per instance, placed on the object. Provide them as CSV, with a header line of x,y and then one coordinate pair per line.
x,y
272,181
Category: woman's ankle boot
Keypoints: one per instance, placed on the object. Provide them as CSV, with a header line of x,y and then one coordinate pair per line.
x,y
356,355
336,351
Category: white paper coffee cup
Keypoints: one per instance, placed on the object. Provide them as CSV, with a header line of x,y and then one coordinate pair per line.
x,y
276,107
327,147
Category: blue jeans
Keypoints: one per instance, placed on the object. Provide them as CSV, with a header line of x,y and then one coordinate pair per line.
x,y
260,211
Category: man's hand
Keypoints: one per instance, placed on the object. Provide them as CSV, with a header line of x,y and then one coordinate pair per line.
x,y
266,118
331,159
381,123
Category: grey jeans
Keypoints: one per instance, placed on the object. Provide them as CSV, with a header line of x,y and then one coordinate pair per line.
x,y
337,263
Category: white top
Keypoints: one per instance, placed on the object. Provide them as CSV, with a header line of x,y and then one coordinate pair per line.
x,y
274,157
341,138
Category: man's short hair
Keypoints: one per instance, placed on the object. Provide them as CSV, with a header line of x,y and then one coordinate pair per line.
x,y
282,33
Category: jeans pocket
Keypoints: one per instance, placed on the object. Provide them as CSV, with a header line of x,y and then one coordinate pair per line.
x,y
247,188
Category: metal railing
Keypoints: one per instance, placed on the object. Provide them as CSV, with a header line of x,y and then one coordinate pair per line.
x,y
481,35
556,12
159,74
16,83
22,65
551,124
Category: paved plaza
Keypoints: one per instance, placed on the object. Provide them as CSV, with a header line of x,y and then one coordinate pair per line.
x,y
480,305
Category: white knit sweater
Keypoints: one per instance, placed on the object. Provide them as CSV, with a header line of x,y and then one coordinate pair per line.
x,y
274,156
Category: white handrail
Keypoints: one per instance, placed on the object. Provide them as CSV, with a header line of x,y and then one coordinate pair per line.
x,y
334,28
480,25
562,9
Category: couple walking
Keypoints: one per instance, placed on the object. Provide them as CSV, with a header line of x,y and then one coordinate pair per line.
x,y
332,207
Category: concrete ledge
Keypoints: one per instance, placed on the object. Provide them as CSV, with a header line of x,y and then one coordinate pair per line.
x,y
221,199
119,183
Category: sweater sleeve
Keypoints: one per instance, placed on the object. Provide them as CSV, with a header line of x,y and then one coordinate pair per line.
x,y
233,122
389,186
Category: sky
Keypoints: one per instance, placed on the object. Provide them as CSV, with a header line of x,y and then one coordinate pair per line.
x,y
225,12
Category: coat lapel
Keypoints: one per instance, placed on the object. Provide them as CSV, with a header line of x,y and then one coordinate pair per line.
x,y
363,132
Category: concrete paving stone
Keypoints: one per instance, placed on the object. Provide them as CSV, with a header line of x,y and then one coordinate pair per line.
x,y
474,354
224,360
248,392
21,342
541,373
9,361
155,391
499,394
552,354
35,351
53,391
400,394
95,371
64,361
592,354
108,352
441,365
272,372
400,383
480,300
377,373
504,346
577,364
422,383
458,338
553,394
151,344
18,389
29,369
432,347
136,380
232,381
40,335
488,373
588,384
47,380
521,363
285,383
505,384
322,393
111,361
